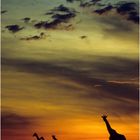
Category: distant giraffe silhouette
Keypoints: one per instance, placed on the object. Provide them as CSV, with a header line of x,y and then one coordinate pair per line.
x,y
113,134
37,137
54,138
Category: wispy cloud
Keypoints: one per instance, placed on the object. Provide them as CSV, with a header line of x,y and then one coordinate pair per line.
x,y
115,90
12,120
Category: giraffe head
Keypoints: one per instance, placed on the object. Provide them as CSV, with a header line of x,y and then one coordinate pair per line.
x,y
35,134
54,138
104,117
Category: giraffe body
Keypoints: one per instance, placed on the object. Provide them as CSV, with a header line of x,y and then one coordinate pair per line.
x,y
37,137
113,134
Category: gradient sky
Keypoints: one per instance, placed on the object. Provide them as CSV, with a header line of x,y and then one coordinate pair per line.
x,y
59,79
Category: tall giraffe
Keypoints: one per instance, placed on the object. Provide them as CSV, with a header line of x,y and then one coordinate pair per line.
x,y
37,137
113,134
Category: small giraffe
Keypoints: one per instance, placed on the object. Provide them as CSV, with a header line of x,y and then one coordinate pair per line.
x,y
54,138
113,134
37,137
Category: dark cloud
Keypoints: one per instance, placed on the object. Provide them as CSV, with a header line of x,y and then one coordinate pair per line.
x,y
63,17
4,11
133,16
10,120
120,91
26,19
83,37
126,7
60,14
49,25
57,20
36,37
104,10
70,1
128,10
120,66
111,102
39,24
14,28
62,8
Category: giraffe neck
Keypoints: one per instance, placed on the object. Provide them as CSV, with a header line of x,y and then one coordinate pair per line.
x,y
108,126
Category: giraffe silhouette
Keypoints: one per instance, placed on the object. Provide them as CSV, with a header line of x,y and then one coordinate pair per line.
x,y
54,138
37,137
113,134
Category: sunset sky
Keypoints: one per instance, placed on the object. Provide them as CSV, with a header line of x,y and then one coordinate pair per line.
x,y
64,64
